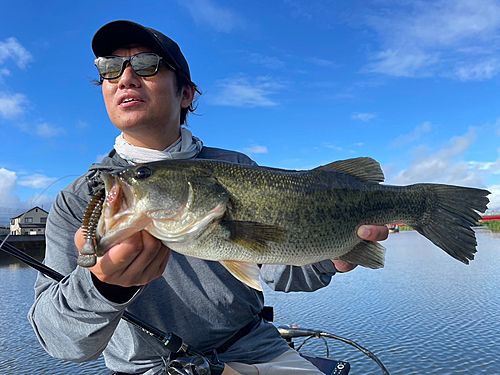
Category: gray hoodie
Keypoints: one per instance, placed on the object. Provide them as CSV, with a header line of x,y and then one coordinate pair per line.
x,y
197,300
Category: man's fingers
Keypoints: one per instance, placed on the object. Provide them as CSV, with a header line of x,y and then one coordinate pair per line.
x,y
147,259
373,232
138,260
342,266
79,239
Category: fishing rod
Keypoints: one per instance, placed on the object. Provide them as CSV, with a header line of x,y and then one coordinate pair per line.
x,y
289,332
175,344
171,341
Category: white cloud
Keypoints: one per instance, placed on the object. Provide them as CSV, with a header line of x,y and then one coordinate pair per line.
x,y
42,129
244,92
321,62
36,181
49,131
11,48
9,202
207,12
298,11
99,157
257,149
4,72
365,117
447,22
82,125
489,167
41,200
345,95
12,105
415,135
7,182
266,61
332,146
444,166
494,197
427,38
479,71
402,63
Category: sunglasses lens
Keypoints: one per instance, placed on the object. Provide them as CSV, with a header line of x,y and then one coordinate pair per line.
x,y
109,67
145,64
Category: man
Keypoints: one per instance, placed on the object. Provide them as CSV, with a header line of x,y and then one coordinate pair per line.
x,y
147,89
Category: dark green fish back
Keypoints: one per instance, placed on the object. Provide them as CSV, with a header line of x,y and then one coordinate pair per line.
x,y
326,205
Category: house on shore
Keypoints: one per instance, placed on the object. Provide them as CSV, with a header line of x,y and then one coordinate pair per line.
x,y
31,222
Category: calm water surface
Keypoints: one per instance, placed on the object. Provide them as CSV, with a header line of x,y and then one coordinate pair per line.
x,y
424,313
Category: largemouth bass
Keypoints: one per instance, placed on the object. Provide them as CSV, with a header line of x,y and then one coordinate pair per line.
x,y
243,215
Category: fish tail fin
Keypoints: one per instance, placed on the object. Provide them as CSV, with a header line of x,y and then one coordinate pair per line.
x,y
448,221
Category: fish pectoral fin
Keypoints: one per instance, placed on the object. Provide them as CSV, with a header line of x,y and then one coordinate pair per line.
x,y
365,169
254,236
247,273
367,254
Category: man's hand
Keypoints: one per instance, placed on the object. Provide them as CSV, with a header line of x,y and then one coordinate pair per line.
x,y
373,232
137,260
229,371
365,232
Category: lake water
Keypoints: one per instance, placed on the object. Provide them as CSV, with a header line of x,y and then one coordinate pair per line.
x,y
424,313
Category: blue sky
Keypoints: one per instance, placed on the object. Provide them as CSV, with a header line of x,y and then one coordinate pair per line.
x,y
293,83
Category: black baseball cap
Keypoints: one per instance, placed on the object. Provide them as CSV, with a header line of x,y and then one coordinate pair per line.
x,y
121,33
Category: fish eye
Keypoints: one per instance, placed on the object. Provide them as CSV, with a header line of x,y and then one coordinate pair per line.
x,y
143,173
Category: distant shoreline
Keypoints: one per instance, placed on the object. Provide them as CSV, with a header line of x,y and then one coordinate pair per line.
x,y
31,245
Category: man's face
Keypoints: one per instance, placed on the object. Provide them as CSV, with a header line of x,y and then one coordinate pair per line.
x,y
141,106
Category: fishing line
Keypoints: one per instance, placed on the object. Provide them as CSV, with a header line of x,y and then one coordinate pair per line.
x,y
359,347
174,343
314,337
187,356
33,203
169,340
289,332
42,268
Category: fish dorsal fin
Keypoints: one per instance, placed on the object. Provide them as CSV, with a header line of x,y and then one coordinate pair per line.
x,y
247,273
365,169
254,236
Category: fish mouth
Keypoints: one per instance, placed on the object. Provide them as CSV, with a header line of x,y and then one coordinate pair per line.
x,y
119,219
185,226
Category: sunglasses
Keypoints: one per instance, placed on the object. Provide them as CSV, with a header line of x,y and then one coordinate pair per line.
x,y
143,64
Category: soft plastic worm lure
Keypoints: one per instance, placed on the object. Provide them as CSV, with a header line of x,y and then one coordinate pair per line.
x,y
88,257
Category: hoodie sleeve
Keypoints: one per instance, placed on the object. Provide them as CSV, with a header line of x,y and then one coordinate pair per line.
x,y
298,279
71,319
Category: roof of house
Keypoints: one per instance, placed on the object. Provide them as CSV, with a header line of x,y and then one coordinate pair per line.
x,y
25,212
